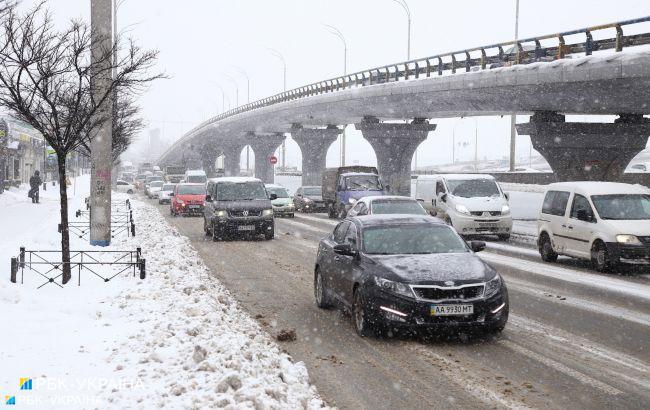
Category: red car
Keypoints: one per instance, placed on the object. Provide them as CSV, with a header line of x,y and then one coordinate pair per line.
x,y
188,199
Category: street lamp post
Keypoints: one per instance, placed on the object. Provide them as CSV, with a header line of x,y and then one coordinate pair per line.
x,y
232,80
338,34
223,96
248,82
279,56
408,27
513,117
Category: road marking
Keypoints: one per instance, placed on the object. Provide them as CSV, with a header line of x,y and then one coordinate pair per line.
x,y
569,275
581,377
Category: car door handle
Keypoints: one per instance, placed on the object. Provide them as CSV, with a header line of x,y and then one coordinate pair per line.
x,y
563,226
570,227
336,258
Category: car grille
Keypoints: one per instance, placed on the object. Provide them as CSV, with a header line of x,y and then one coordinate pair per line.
x,y
469,292
491,213
240,214
644,239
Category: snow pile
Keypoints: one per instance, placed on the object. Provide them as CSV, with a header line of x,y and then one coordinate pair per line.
x,y
175,339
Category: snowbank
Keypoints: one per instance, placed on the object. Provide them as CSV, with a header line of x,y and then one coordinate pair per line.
x,y
175,339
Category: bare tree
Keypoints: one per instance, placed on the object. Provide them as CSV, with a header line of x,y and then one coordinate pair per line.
x,y
46,80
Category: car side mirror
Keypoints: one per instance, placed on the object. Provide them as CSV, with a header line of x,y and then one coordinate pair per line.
x,y
477,246
172,194
273,197
344,249
583,215
420,200
507,196
208,198
443,197
433,212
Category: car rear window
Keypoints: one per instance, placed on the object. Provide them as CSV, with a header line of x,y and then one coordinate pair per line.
x,y
555,203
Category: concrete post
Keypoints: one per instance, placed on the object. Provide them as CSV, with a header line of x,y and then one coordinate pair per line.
x,y
580,151
394,145
264,146
100,151
232,154
314,143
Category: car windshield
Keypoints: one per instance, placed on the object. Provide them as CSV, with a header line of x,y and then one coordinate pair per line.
x,y
168,187
363,183
313,191
622,206
280,192
411,239
231,191
473,188
191,190
397,207
196,179
156,184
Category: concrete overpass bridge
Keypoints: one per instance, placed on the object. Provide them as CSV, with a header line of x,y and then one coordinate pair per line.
x,y
547,77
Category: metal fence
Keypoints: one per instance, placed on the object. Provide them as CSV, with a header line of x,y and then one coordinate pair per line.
x,y
49,266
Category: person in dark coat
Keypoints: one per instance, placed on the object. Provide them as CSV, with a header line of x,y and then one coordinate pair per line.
x,y
35,184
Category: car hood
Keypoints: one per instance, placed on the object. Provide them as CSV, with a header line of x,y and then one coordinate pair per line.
x,y
431,269
487,203
281,201
627,227
254,205
191,198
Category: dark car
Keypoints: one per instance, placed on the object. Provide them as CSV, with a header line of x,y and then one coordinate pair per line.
x,y
408,271
237,206
309,199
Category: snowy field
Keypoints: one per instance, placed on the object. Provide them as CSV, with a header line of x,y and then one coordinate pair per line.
x,y
176,339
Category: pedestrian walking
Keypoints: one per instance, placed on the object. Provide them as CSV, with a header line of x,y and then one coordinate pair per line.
x,y
34,184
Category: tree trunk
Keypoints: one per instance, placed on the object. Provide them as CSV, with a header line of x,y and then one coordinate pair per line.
x,y
65,233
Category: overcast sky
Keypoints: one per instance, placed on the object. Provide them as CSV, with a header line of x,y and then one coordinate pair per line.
x,y
201,42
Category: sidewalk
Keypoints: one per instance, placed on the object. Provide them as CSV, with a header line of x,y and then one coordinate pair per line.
x,y
176,339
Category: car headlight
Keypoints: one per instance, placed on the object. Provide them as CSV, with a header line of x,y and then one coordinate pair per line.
x,y
505,209
492,286
180,202
394,287
307,200
221,214
462,209
267,212
291,205
352,201
628,239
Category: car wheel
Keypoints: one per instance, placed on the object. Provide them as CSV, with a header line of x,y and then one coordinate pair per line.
x,y
600,257
292,215
342,213
269,235
360,315
130,192
320,291
331,212
546,249
205,227
504,237
215,238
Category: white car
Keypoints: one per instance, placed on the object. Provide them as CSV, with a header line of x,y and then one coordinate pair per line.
x,y
123,186
639,167
473,204
605,222
166,193
154,189
388,204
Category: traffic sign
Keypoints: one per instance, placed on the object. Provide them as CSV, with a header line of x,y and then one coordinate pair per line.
x,y
273,159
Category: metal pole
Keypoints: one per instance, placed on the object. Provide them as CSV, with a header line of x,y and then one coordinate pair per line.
x,y
475,145
100,188
513,117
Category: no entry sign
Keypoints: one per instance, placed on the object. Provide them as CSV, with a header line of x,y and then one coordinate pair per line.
x,y
273,159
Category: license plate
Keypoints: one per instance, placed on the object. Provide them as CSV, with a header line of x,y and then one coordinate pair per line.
x,y
195,206
451,310
246,228
487,225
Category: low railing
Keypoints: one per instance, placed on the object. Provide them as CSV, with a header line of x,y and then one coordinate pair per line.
x,y
495,55
49,264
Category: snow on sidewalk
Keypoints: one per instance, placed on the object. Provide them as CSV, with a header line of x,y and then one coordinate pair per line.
x,y
176,339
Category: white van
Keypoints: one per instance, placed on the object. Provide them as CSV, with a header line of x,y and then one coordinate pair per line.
x,y
604,222
195,176
473,204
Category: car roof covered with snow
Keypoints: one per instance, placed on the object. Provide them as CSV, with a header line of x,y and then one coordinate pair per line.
x,y
598,188
368,199
235,180
396,219
351,174
195,172
274,186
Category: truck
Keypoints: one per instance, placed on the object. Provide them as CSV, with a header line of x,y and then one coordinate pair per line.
x,y
175,173
343,186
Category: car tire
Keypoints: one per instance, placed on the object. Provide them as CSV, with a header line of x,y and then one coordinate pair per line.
x,y
331,212
215,238
292,215
205,228
269,235
546,249
504,237
130,192
342,213
600,258
360,315
320,291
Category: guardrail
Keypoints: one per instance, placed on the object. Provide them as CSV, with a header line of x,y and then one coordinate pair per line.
x,y
484,57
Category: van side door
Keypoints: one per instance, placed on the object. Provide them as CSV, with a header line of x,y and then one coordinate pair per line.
x,y
554,215
441,206
580,227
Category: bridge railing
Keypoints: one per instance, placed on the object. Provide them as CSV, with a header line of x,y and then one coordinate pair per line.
x,y
504,54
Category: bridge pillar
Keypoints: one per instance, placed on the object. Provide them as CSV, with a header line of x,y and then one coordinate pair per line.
x,y
314,143
208,159
264,147
394,146
232,155
581,151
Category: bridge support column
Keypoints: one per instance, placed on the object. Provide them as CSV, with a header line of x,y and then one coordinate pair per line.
x,y
314,143
232,154
581,151
394,146
209,158
264,146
